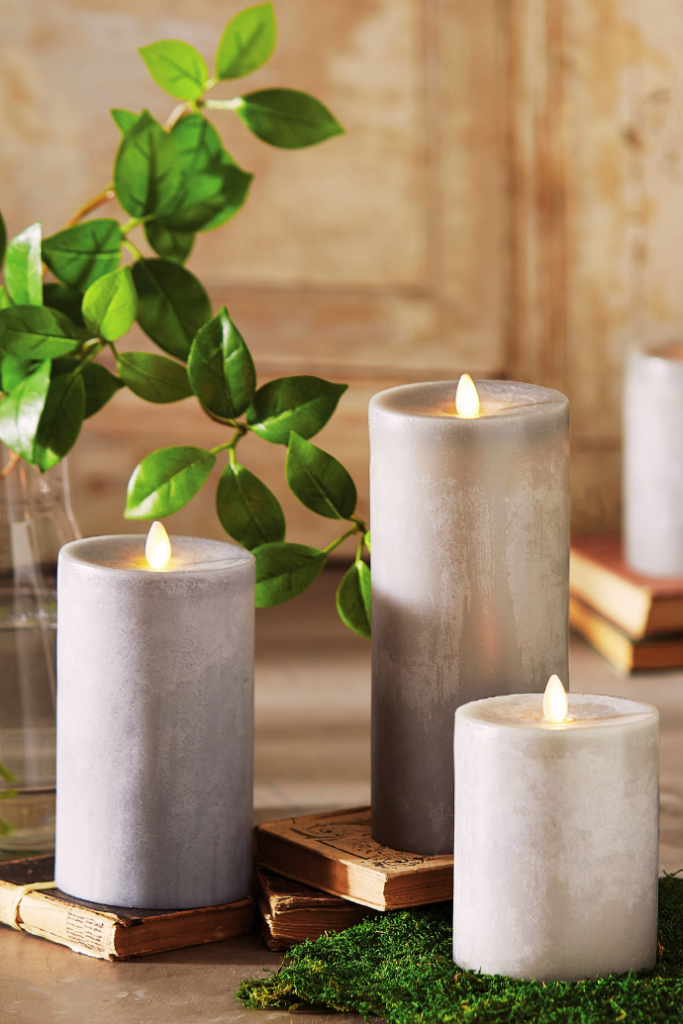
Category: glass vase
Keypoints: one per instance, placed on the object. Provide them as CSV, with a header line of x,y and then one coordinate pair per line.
x,y
35,520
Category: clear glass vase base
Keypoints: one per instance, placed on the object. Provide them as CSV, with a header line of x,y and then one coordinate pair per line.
x,y
32,820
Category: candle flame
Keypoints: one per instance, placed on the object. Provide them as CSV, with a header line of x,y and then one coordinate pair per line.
x,y
555,702
157,546
466,398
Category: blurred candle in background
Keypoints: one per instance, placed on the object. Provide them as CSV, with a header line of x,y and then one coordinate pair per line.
x,y
470,557
653,460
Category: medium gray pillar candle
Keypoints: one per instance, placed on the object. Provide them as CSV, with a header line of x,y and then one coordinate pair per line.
x,y
653,460
470,589
556,837
155,723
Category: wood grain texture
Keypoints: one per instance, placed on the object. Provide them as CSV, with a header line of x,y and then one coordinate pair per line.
x,y
507,200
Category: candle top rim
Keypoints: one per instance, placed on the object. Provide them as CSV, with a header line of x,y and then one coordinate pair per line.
x,y
125,552
586,711
498,398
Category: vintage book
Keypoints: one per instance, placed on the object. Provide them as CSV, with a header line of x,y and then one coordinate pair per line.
x,y
639,605
109,933
334,851
625,653
291,911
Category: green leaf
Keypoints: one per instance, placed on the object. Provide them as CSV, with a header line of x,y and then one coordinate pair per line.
x,y
5,301
353,599
285,570
213,187
166,480
13,370
6,774
20,412
3,244
221,369
247,42
249,512
36,332
100,384
61,421
80,255
177,67
154,378
287,118
65,299
172,245
24,269
146,172
318,480
124,119
172,304
109,305
300,403
366,540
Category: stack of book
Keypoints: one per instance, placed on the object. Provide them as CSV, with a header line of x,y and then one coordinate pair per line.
x,y
635,621
324,872
312,874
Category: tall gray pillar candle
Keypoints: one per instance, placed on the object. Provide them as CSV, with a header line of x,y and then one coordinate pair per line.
x,y
470,589
653,460
155,723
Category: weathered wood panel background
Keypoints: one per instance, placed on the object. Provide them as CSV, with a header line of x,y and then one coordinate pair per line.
x,y
508,199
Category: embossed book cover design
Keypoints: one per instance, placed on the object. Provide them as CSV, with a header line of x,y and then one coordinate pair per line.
x,y
334,851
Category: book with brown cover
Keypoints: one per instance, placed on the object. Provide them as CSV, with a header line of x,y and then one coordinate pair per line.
x,y
291,911
108,933
639,605
334,851
625,653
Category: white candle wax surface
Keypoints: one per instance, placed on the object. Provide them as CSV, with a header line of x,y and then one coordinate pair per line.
x,y
556,837
653,460
470,591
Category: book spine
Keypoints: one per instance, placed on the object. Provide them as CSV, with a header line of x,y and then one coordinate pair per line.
x,y
82,930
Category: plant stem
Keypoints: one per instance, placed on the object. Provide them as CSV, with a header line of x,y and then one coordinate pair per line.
x,y
12,464
175,115
233,104
92,352
132,249
100,199
335,543
129,225
231,445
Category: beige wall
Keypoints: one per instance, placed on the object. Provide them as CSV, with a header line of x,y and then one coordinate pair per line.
x,y
507,200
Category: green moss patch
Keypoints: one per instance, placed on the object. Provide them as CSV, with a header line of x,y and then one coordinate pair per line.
x,y
399,967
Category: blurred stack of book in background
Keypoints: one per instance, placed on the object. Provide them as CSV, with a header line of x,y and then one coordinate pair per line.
x,y
634,621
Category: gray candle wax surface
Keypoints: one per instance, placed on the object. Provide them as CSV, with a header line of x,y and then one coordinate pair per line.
x,y
470,563
653,461
155,723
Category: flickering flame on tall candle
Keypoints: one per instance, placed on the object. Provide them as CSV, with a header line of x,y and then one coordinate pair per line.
x,y
555,702
157,546
466,398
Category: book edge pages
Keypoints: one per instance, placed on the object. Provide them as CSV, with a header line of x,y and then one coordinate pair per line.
x,y
602,589
601,634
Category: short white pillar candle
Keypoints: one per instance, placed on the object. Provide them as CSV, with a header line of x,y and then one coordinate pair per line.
x,y
155,723
556,844
470,580
653,460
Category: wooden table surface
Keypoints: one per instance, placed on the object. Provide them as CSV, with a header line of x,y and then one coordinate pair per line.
x,y
312,751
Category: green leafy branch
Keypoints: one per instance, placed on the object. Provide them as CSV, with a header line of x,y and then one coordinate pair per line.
x,y
174,181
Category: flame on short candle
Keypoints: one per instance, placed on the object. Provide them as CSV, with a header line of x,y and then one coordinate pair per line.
x,y
466,398
555,702
158,546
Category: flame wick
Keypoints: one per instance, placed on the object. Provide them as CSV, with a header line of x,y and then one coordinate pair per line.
x,y
555,702
466,398
157,546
